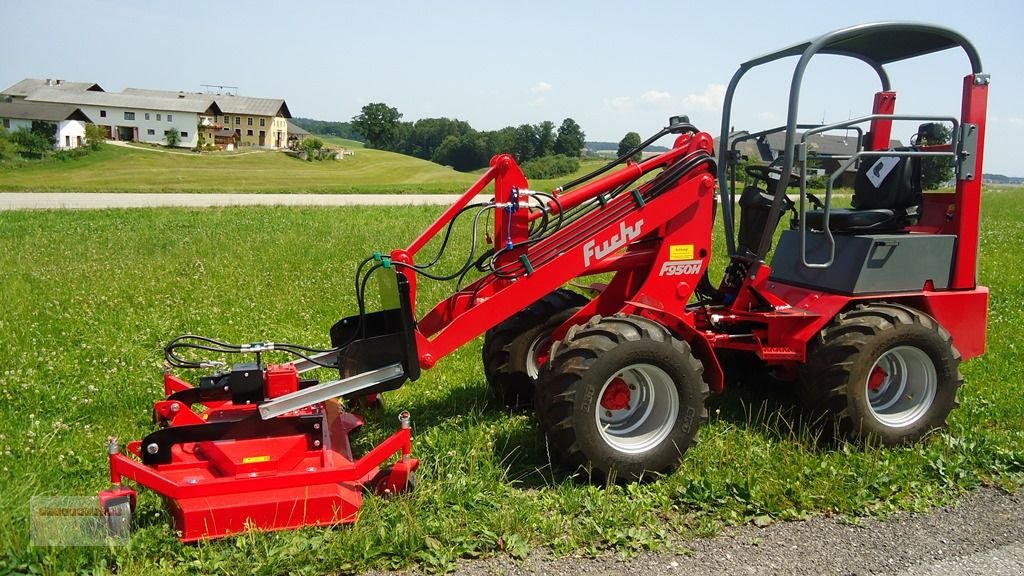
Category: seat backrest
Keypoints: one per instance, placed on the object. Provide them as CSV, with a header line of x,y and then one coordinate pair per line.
x,y
892,182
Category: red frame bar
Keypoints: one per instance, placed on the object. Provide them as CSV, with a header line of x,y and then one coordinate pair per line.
x,y
967,219
122,466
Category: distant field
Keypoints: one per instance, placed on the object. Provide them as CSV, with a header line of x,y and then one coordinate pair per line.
x,y
118,169
90,297
344,142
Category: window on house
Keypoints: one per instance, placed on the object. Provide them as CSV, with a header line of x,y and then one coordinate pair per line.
x,y
150,132
249,121
147,115
129,115
263,121
248,132
184,134
238,119
103,113
7,123
170,118
158,117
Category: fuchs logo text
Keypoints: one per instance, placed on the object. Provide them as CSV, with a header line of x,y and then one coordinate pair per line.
x,y
626,234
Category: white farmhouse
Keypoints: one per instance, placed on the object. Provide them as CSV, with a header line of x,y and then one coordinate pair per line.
x,y
141,118
143,115
69,121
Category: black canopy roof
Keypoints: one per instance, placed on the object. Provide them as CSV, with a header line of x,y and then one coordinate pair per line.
x,y
880,43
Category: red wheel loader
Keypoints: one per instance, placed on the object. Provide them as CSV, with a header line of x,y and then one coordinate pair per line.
x,y
868,310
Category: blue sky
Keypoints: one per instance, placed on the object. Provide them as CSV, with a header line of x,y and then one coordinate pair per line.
x,y
612,66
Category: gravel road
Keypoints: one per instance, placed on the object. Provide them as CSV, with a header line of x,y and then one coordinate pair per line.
x,y
981,535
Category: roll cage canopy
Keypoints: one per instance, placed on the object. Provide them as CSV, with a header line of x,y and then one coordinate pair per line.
x,y
875,44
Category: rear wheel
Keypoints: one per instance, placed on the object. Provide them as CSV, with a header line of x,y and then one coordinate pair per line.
x,y
883,372
514,350
622,398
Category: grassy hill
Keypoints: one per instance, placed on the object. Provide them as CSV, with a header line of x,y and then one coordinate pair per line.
x,y
143,169
118,169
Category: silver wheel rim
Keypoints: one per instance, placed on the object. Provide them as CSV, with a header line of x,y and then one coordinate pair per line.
x,y
532,358
650,415
901,386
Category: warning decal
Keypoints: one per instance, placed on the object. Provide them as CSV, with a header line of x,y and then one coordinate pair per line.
x,y
680,252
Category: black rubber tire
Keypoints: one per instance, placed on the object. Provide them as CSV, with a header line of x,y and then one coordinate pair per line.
x,y
506,346
835,382
589,358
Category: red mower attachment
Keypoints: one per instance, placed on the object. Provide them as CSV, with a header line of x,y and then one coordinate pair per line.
x,y
224,469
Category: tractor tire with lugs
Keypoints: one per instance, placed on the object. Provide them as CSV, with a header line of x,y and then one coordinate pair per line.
x,y
882,373
622,399
514,349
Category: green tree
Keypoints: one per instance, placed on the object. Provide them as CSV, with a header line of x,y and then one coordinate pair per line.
x,y
553,166
95,136
464,153
8,149
312,146
629,141
524,143
570,139
171,137
426,135
935,171
37,141
380,124
544,133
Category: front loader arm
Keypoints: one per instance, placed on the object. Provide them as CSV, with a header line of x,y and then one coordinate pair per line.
x,y
594,242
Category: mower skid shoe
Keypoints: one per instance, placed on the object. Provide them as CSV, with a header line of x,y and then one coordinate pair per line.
x,y
117,505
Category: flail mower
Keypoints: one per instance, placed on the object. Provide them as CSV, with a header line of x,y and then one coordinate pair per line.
x,y
868,311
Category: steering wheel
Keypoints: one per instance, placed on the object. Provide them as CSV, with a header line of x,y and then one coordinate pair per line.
x,y
762,172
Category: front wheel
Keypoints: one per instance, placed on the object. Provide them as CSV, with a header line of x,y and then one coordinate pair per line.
x,y
622,398
883,372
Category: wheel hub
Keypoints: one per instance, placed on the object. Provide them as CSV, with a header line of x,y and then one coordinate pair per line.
x,y
638,408
616,395
876,379
901,386
538,355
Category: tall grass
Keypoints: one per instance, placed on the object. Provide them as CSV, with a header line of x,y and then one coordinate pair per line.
x,y
90,297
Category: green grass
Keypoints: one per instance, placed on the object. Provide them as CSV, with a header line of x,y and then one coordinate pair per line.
x,y
90,297
343,142
117,169
148,169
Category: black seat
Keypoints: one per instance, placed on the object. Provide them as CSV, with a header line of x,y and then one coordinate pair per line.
x,y
887,197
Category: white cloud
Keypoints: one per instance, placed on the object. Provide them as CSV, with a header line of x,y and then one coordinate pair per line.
x,y
1015,120
649,98
656,97
620,102
536,102
711,100
541,88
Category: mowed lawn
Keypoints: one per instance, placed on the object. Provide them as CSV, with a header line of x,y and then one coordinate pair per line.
x,y
90,298
120,169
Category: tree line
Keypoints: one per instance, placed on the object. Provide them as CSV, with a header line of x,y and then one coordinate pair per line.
x,y
453,142
327,128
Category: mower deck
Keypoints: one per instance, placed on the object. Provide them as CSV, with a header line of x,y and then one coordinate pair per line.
x,y
219,478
